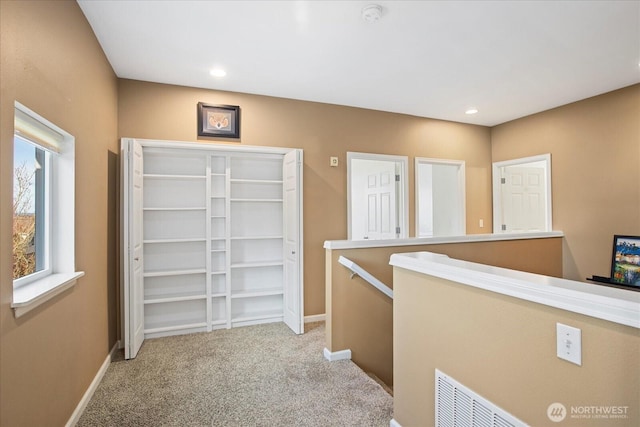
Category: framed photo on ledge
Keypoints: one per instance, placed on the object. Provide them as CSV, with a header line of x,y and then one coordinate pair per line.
x,y
222,121
625,261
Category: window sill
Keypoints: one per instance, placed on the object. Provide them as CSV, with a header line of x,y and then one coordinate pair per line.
x,y
30,296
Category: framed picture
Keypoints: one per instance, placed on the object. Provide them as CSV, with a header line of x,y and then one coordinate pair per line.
x,y
625,261
222,121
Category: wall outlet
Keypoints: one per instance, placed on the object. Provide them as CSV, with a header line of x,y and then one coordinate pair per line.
x,y
481,223
569,343
333,162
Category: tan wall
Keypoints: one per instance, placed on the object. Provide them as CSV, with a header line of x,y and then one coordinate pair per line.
x,y
504,349
52,63
360,318
155,111
595,153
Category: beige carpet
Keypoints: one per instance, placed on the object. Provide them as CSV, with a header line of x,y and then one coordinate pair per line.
x,y
261,375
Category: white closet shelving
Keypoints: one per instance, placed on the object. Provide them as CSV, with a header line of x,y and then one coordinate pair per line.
x,y
213,240
175,241
256,256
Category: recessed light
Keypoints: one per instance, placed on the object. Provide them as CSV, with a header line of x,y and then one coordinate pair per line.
x,y
471,111
218,72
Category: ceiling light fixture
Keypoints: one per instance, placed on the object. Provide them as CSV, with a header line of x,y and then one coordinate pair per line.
x,y
471,111
372,13
218,72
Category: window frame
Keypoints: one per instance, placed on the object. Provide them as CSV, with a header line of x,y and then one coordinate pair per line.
x,y
34,289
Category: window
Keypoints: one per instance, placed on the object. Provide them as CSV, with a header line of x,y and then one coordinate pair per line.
x,y
31,209
43,210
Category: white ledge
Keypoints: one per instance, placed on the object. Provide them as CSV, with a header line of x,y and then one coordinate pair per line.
x,y
602,302
29,296
416,241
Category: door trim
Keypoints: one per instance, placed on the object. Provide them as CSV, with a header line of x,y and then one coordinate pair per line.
x,y
461,188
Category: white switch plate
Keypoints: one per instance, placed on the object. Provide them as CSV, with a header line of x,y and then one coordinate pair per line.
x,y
333,162
569,343
481,223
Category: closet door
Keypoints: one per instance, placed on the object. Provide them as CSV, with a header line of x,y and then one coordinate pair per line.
x,y
292,226
132,167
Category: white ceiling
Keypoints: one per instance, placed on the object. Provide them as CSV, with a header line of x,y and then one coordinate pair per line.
x,y
432,59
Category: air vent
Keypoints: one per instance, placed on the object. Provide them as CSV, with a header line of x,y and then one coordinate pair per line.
x,y
458,406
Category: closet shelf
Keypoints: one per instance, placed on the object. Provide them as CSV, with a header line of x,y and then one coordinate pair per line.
x,y
164,208
169,176
177,327
174,272
257,200
255,237
168,299
257,316
218,322
185,240
255,181
257,264
256,293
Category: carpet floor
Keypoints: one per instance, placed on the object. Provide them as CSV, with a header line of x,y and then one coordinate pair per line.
x,y
262,375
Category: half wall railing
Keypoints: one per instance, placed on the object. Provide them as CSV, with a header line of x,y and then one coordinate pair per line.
x,y
368,277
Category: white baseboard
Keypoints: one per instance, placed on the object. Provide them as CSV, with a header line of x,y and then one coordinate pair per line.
x,y
77,413
332,356
394,423
315,318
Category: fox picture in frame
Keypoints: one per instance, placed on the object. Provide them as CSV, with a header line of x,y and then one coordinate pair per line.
x,y
222,121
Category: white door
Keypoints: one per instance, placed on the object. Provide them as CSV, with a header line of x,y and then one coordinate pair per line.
x,y
133,228
377,206
293,270
381,201
523,193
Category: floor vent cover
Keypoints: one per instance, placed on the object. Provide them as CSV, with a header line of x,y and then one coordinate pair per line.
x,y
458,406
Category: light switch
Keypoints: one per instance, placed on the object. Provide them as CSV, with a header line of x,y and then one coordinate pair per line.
x,y
569,343
333,162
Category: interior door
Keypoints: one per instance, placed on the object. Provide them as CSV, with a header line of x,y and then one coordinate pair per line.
x,y
293,266
381,201
523,195
133,280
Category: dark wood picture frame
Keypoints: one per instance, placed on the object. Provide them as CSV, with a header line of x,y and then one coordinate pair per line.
x,y
221,121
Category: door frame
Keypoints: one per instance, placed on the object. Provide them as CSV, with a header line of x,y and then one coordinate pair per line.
x,y
461,188
125,208
497,190
402,194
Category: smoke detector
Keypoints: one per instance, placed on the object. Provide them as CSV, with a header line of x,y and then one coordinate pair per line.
x,y
372,13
